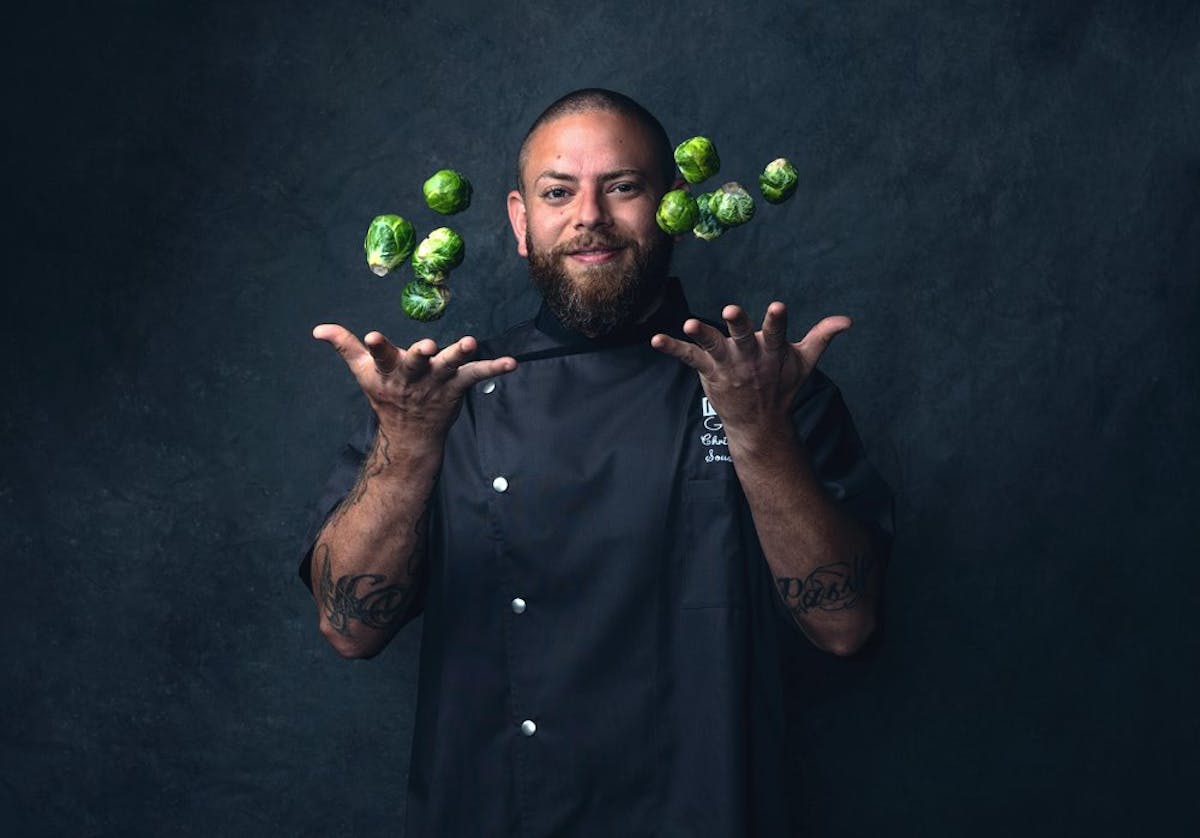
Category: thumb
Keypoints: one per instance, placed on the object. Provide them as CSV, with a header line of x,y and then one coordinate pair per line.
x,y
814,344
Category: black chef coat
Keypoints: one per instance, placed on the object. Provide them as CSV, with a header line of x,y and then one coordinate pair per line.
x,y
600,648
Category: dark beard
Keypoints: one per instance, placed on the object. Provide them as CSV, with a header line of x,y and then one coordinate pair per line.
x,y
605,297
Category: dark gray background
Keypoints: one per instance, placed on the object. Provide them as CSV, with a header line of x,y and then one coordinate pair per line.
x,y
1004,195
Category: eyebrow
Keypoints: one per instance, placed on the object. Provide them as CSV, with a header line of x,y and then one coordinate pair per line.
x,y
613,175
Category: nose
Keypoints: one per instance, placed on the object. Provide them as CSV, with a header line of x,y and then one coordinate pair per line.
x,y
591,209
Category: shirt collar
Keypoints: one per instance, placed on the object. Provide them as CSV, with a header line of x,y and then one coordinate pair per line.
x,y
667,319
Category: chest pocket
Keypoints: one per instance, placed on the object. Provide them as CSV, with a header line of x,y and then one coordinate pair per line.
x,y
713,575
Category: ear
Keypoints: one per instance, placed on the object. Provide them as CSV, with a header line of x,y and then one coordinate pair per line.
x,y
516,217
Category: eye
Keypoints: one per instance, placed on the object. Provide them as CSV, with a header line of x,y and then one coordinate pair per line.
x,y
554,193
626,187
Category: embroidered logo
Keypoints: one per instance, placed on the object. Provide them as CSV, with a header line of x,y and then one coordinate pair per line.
x,y
713,438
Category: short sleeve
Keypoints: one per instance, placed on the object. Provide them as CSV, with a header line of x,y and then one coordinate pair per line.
x,y
341,480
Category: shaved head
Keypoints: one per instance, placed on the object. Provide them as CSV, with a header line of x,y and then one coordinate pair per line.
x,y
598,99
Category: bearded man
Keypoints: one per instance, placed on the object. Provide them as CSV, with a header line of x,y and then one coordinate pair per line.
x,y
604,516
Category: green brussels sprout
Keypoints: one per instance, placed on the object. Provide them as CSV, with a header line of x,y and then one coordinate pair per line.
x,y
422,301
697,159
708,227
677,212
388,243
778,181
438,254
731,204
426,272
447,192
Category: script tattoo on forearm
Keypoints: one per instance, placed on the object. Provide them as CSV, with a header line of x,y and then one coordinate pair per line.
x,y
359,596
832,587
379,459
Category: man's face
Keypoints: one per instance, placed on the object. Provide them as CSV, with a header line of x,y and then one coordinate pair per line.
x,y
586,220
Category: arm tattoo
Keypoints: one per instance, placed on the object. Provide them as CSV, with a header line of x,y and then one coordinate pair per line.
x,y
342,601
831,587
379,459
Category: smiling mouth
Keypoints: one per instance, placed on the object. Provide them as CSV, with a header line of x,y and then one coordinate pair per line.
x,y
594,256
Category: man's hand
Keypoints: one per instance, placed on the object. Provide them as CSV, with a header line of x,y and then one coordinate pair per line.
x,y
811,544
417,391
751,378
367,559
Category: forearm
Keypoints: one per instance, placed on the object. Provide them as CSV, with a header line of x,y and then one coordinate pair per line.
x,y
821,558
367,559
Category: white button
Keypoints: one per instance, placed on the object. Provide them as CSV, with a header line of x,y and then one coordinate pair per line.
x,y
488,386
500,484
528,727
518,606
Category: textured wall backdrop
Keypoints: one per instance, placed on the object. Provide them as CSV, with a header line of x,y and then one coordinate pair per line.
x,y
1004,195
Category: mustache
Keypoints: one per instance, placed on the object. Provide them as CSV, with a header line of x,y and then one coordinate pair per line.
x,y
592,241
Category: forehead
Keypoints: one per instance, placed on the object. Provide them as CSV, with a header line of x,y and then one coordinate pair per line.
x,y
590,142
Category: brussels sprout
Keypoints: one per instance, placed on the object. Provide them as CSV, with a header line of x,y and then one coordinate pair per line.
x,y
388,243
697,159
422,301
731,204
677,212
778,181
438,254
708,227
447,192
426,272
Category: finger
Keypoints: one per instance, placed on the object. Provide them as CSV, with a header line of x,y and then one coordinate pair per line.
x,y
383,351
689,353
774,328
708,339
472,372
342,340
415,362
456,357
741,330
446,363
820,336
